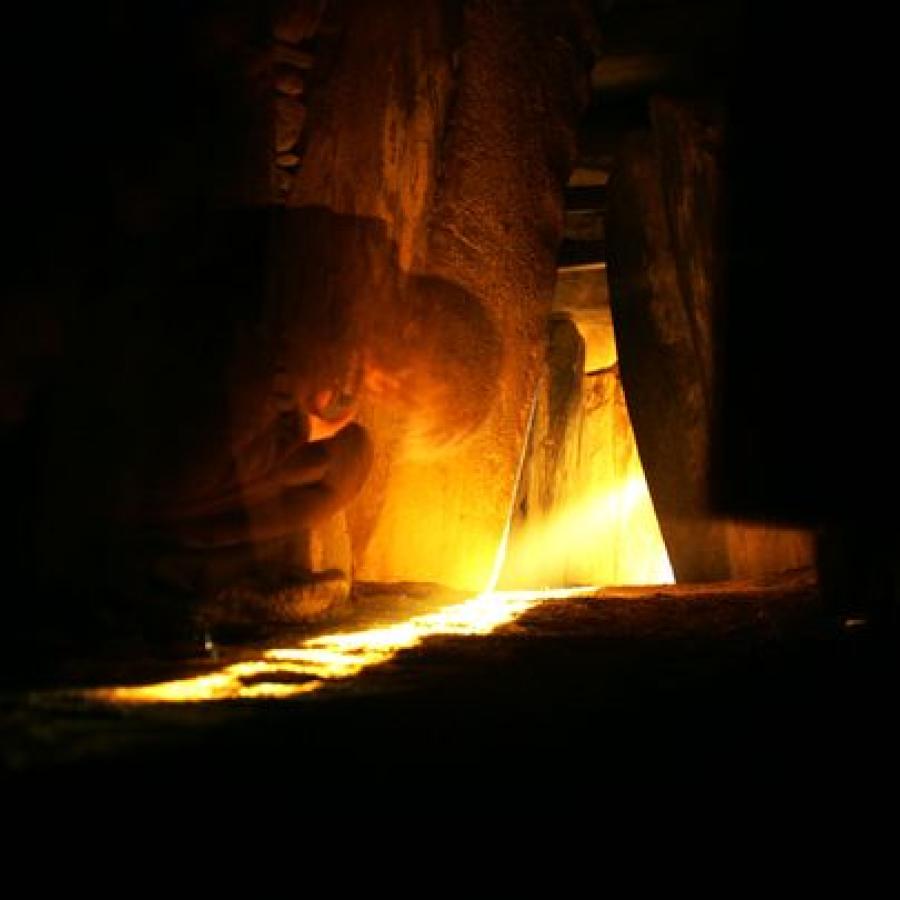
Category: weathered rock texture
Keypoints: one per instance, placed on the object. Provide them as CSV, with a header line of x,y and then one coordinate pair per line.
x,y
453,124
664,238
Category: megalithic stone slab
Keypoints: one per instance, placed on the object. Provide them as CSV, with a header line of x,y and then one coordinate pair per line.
x,y
664,234
661,367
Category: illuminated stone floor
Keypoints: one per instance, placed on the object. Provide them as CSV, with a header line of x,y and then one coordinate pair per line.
x,y
739,679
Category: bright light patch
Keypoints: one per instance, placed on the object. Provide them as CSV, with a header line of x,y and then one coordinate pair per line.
x,y
287,672
610,536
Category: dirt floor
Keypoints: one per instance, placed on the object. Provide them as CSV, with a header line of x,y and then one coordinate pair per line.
x,y
719,684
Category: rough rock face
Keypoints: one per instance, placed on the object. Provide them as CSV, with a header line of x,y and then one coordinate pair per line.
x,y
663,231
305,211
585,297
661,369
453,124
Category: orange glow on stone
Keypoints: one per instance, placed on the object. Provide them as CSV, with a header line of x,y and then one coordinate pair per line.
x,y
293,671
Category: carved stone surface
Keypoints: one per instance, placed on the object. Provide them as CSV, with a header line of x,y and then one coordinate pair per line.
x,y
473,198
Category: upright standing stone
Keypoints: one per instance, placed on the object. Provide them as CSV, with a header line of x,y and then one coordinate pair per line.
x,y
453,123
664,245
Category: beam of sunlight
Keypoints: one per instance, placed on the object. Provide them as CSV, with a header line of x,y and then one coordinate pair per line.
x,y
611,535
292,671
